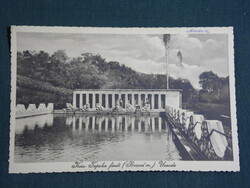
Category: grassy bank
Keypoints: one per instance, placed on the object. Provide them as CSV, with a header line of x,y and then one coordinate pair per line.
x,y
30,91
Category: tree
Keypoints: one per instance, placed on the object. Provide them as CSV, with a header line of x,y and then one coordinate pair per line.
x,y
209,81
60,55
214,89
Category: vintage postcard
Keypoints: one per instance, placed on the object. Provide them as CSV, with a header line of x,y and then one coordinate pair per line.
x,y
122,99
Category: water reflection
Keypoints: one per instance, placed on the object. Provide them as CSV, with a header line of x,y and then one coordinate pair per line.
x,y
114,123
30,123
84,137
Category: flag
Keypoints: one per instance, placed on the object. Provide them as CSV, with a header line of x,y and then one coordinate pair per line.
x,y
166,39
179,55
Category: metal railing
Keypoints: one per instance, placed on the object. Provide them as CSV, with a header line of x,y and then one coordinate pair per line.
x,y
205,140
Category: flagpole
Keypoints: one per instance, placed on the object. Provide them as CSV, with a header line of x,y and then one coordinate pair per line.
x,y
166,40
166,54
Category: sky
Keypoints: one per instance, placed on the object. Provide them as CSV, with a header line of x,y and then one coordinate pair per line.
x,y
143,53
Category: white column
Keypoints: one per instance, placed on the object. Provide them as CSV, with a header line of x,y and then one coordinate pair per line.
x,y
139,99
153,101
125,99
74,99
133,99
80,100
119,96
87,98
93,100
100,99
106,100
159,101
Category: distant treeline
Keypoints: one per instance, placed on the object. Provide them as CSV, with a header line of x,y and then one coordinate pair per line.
x,y
44,78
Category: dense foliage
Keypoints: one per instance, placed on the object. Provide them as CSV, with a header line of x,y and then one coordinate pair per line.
x,y
214,89
51,78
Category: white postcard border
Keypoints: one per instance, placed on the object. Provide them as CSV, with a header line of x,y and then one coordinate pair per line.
x,y
124,165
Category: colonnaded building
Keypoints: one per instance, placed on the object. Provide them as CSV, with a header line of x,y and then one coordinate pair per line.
x,y
158,98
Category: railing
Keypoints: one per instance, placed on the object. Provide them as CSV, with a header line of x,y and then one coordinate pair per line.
x,y
32,110
207,136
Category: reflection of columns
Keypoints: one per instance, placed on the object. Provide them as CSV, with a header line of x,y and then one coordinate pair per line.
x,y
139,99
120,123
133,124
106,124
74,99
113,124
126,124
80,123
100,124
93,123
159,101
133,99
139,125
74,123
153,124
106,101
87,98
87,123
94,100
80,99
160,123
117,123
147,124
68,121
165,101
153,101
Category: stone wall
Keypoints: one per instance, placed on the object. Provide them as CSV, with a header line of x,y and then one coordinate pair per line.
x,y
32,110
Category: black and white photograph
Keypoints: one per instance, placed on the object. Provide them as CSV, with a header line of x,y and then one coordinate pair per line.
x,y
122,99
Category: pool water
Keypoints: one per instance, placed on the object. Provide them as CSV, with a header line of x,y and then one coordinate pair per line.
x,y
69,138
